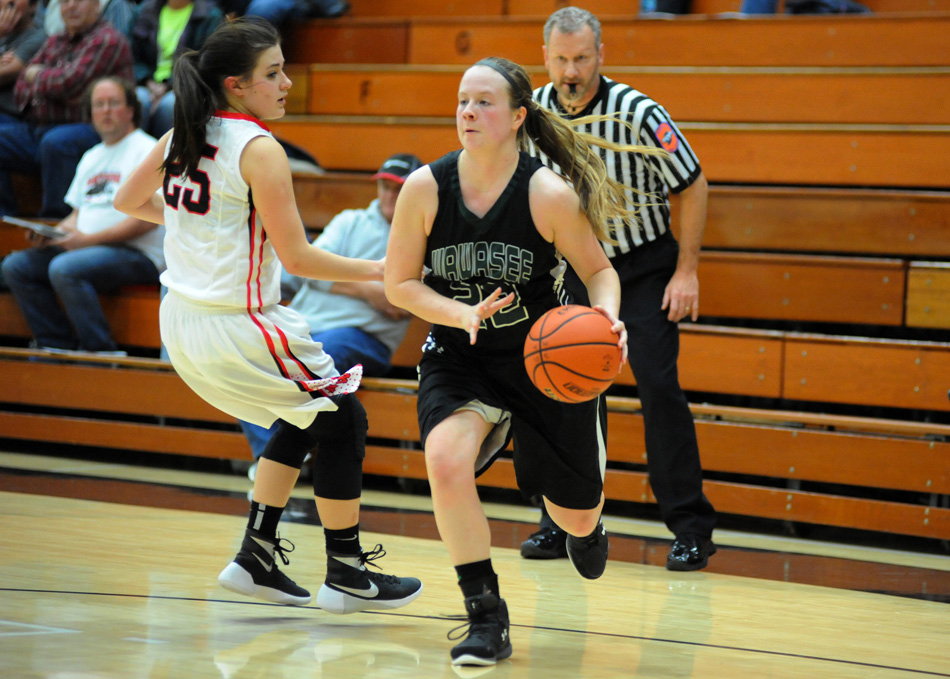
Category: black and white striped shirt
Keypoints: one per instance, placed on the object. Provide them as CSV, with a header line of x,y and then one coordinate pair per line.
x,y
649,175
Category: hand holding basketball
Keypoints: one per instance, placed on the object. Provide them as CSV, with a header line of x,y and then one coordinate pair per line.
x,y
572,353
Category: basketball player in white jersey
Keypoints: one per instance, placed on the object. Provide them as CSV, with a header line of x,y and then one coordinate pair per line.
x,y
228,206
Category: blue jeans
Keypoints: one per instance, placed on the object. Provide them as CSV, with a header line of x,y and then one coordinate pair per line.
x,y
53,151
347,346
759,6
43,277
161,120
275,11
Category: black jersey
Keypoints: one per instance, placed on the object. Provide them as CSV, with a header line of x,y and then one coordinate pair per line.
x,y
470,256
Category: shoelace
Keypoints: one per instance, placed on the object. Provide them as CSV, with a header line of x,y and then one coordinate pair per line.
x,y
468,627
367,559
279,549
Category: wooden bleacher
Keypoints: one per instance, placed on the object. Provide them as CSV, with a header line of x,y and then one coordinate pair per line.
x,y
760,218
801,154
857,95
906,39
602,8
826,141
140,404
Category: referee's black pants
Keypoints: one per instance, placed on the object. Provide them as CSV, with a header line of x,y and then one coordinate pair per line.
x,y
673,465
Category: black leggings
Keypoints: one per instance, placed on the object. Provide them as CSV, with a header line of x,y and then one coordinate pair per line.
x,y
337,439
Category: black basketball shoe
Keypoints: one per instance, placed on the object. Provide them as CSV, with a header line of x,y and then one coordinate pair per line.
x,y
254,572
546,543
486,641
589,555
349,589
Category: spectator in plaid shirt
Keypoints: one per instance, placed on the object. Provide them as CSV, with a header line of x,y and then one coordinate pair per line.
x,y
51,137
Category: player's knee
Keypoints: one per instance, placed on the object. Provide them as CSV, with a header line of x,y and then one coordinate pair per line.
x,y
579,522
448,464
289,445
338,463
342,432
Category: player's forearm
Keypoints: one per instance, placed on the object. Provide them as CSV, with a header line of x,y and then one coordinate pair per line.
x,y
603,289
356,289
420,300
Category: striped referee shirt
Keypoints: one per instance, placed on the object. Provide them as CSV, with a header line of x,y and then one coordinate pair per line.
x,y
650,175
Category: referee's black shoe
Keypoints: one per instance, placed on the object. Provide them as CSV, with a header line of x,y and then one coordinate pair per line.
x,y
486,632
589,555
689,553
549,542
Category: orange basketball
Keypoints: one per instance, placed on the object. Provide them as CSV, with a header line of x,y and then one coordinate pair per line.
x,y
571,354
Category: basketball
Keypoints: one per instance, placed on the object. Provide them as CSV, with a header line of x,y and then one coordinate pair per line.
x,y
571,354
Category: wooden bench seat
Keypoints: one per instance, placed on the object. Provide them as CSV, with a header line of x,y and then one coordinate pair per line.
x,y
100,398
792,366
843,40
835,221
132,315
767,464
809,155
887,96
890,373
786,287
928,295
722,360
839,221
802,288
602,8
782,452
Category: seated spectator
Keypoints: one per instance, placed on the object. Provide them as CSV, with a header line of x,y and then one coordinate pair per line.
x,y
19,41
57,283
278,12
119,13
51,137
162,30
648,7
354,321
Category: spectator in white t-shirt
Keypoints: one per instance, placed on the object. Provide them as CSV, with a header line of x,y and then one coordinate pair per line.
x,y
57,283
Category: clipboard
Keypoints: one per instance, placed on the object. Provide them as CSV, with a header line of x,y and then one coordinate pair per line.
x,y
39,227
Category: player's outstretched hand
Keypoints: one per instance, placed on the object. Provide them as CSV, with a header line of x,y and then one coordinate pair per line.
x,y
618,327
484,309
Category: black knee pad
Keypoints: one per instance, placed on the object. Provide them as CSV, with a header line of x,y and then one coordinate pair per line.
x,y
289,445
338,463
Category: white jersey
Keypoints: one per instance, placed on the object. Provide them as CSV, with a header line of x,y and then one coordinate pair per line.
x,y
221,323
216,250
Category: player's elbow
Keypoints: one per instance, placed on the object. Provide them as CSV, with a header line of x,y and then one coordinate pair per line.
x,y
121,201
294,266
395,292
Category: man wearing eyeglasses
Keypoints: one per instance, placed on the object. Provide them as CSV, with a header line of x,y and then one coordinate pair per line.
x,y
57,282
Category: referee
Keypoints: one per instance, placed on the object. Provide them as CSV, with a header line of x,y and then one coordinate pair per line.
x,y
657,275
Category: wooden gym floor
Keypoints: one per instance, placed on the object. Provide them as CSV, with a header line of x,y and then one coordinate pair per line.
x,y
107,570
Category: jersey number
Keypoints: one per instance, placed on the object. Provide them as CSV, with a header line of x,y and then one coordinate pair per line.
x,y
473,293
195,198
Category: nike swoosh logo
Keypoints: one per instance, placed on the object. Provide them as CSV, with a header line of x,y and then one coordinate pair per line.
x,y
368,593
264,564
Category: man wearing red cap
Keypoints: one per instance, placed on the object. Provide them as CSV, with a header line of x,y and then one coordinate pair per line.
x,y
354,321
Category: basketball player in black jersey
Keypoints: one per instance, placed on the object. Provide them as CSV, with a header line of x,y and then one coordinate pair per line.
x,y
491,223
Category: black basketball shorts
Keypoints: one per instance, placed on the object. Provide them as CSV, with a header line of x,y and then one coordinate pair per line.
x,y
560,449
